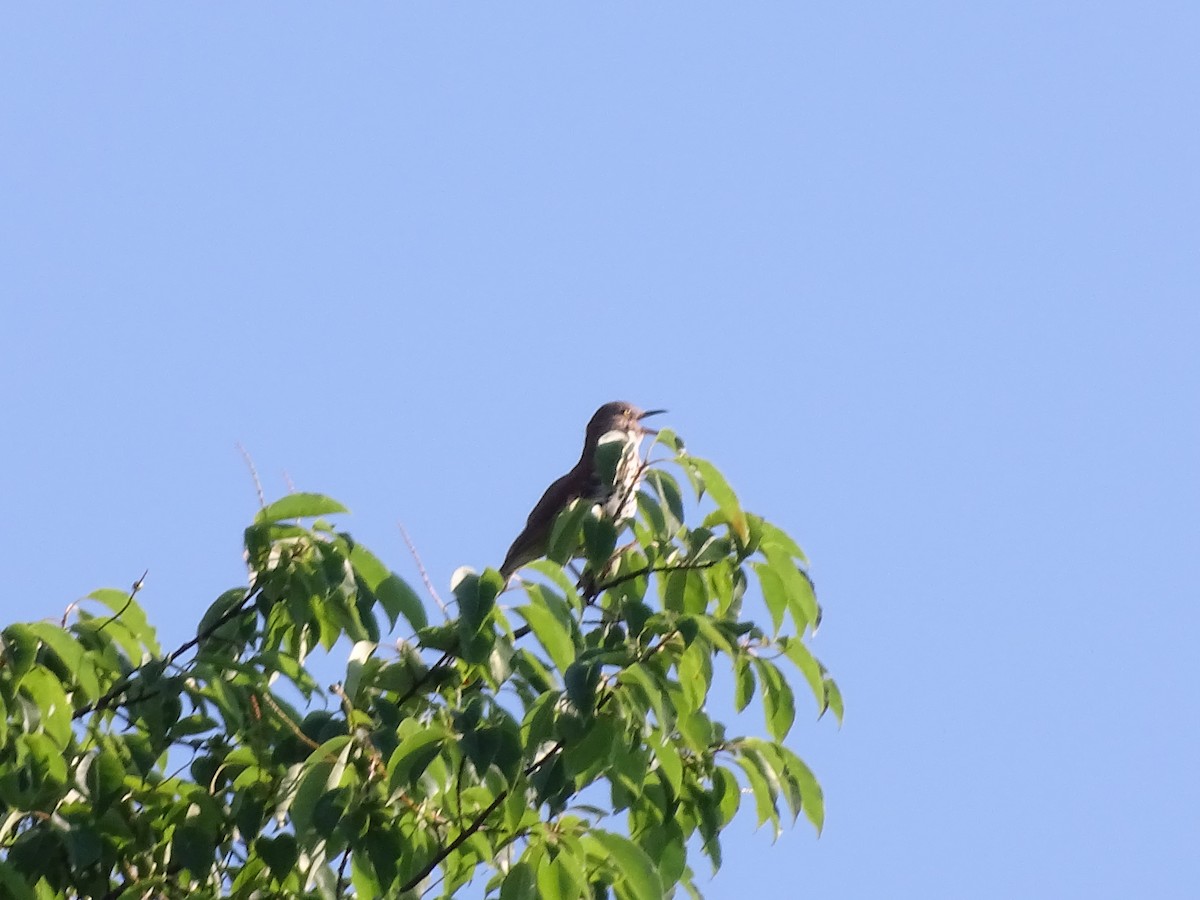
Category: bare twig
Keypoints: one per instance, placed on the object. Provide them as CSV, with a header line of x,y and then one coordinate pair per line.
x,y
412,548
287,720
133,592
258,489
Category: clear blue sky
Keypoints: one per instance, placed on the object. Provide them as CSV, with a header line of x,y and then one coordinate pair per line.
x,y
922,280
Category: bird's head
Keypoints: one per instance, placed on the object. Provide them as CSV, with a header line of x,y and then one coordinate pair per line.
x,y
619,416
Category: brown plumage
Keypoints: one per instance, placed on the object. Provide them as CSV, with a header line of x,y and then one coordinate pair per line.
x,y
582,481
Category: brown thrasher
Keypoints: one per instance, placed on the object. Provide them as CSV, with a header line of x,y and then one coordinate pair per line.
x,y
615,421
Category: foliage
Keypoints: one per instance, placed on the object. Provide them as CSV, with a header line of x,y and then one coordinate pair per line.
x,y
560,747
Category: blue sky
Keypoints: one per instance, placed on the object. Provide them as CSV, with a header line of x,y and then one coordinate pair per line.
x,y
921,280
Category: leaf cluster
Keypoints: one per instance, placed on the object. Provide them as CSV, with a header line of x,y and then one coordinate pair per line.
x,y
559,745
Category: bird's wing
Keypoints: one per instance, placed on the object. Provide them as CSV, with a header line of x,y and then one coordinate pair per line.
x,y
532,542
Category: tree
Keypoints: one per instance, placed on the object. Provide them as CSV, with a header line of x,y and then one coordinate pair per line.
x,y
558,745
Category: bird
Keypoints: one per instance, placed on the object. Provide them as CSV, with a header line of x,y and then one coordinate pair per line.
x,y
616,421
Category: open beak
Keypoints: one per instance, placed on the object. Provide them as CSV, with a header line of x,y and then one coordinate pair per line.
x,y
650,412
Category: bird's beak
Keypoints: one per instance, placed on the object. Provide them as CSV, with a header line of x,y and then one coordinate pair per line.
x,y
650,412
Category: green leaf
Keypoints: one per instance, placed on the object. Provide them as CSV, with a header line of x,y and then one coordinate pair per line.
x,y
651,511
774,593
20,650
13,884
280,853
778,702
833,699
414,754
299,506
474,601
685,592
599,540
40,686
638,873
795,650
648,690
669,439
776,537
727,793
669,761
363,877
65,647
392,591
222,605
127,611
193,847
592,754
580,681
777,769
668,492
106,779
723,496
360,660
810,789
744,685
518,883
695,674
548,627
801,601
564,536
555,573
556,881
760,787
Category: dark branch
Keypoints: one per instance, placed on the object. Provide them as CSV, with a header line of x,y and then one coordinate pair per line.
x,y
109,698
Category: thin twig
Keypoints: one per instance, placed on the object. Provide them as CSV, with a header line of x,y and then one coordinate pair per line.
x,y
412,548
258,489
287,720
133,592
647,570
105,701
342,874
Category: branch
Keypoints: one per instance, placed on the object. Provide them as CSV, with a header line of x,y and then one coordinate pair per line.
x,y
341,879
647,570
476,824
107,700
262,499
412,548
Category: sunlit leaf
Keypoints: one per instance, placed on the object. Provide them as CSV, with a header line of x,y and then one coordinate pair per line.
x,y
802,602
669,762
810,789
718,488
638,872
550,632
564,535
795,650
519,883
298,506
778,701
744,685
413,755
760,787
774,594
833,699
126,610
